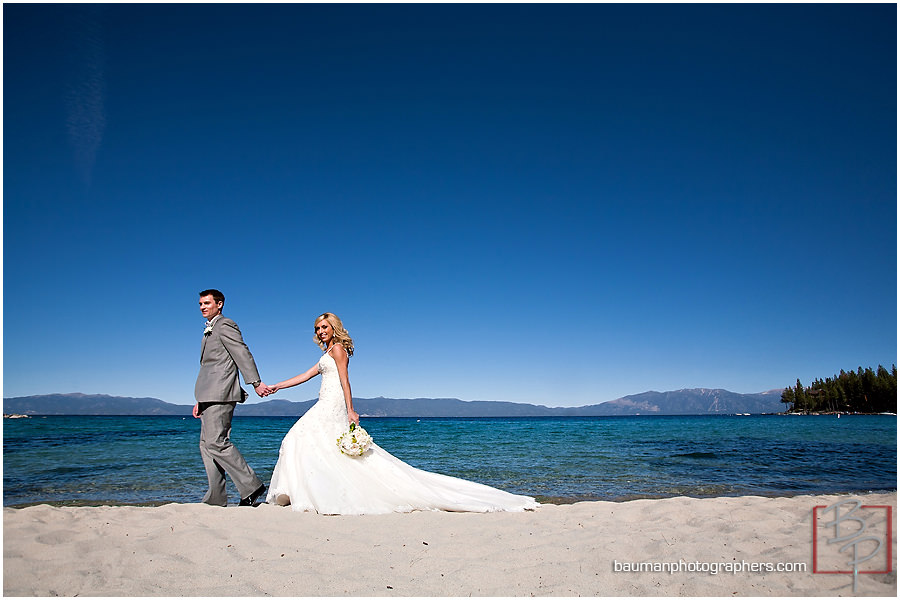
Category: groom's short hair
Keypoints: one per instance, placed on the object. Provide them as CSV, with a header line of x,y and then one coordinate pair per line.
x,y
216,294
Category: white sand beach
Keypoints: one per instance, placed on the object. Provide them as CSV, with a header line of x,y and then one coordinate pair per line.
x,y
557,550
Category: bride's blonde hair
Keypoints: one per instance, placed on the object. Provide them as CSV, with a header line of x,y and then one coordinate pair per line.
x,y
341,336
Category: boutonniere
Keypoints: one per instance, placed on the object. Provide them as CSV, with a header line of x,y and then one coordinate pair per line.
x,y
208,329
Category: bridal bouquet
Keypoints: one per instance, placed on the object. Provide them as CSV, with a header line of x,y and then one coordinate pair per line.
x,y
354,442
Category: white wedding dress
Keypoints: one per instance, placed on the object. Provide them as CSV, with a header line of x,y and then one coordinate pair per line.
x,y
312,475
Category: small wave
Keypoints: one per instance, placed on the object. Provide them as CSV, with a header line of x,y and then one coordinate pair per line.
x,y
705,455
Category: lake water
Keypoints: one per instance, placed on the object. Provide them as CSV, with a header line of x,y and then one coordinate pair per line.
x,y
149,460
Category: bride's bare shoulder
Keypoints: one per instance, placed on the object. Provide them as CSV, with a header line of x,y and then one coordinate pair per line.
x,y
338,351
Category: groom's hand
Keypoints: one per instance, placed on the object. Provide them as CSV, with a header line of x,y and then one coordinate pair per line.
x,y
196,411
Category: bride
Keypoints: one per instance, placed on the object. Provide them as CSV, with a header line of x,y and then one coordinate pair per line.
x,y
313,475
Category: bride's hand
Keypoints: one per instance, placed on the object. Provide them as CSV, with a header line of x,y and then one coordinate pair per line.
x,y
353,416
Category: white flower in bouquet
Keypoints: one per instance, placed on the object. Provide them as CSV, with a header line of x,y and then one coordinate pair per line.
x,y
354,442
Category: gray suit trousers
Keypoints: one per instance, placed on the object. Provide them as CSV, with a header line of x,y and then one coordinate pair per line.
x,y
220,456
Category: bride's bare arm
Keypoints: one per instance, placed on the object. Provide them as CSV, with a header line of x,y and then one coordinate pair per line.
x,y
302,377
343,361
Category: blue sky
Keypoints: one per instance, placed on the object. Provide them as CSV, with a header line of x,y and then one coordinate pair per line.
x,y
560,205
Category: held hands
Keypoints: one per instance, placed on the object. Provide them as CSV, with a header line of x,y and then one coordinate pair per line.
x,y
262,390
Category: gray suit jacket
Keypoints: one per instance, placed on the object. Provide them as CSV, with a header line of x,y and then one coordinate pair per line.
x,y
222,353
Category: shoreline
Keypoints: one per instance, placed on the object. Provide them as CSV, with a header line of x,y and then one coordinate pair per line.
x,y
556,550
549,500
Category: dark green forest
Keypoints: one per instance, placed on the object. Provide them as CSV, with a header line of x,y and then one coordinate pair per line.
x,y
860,391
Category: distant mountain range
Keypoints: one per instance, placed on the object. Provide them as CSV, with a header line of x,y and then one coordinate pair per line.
x,y
696,401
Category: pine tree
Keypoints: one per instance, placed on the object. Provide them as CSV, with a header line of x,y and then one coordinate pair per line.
x,y
787,396
800,398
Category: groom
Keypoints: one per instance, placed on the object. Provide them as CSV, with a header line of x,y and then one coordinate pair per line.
x,y
222,354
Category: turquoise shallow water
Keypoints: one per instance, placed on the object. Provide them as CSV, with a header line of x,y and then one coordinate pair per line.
x,y
156,459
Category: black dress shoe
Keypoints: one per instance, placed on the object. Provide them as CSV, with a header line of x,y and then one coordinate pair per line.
x,y
251,500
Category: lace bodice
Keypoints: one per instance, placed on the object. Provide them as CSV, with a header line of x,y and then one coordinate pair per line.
x,y
331,395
